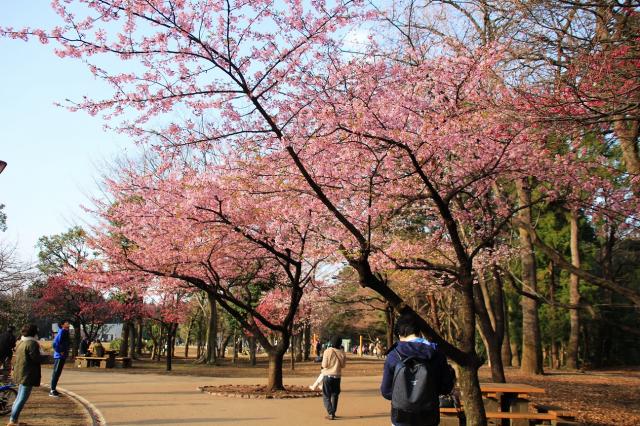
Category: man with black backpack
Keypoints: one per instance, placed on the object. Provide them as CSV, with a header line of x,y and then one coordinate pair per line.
x,y
416,373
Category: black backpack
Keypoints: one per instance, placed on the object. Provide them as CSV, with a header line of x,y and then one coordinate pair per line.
x,y
414,386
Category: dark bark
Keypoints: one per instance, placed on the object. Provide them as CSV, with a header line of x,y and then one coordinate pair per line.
x,y
139,342
307,341
252,350
171,334
293,352
212,332
187,342
433,312
490,314
574,294
75,343
531,361
390,322
234,360
276,360
131,353
124,345
506,341
298,346
468,374
515,355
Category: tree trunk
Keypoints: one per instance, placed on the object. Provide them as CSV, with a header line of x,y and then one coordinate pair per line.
x,y
252,350
298,344
466,341
506,341
293,351
235,347
171,332
627,132
223,347
76,339
212,331
124,345
139,339
390,320
555,356
467,379
187,342
276,360
307,341
132,337
433,312
489,310
531,361
574,295
515,355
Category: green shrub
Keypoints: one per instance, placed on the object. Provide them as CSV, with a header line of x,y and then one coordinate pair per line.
x,y
115,344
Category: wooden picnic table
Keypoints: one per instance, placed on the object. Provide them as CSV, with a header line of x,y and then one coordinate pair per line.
x,y
508,404
508,397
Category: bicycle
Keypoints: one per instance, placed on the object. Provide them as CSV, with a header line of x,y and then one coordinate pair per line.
x,y
8,395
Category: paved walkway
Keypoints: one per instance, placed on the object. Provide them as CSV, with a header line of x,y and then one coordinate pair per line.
x,y
155,399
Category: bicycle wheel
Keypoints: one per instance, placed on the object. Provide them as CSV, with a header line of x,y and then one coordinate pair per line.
x,y
7,396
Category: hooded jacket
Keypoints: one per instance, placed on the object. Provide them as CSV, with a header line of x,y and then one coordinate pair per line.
x,y
437,365
61,344
26,369
333,361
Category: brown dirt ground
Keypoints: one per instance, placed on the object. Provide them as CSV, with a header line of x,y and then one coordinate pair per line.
x,y
260,391
42,410
599,397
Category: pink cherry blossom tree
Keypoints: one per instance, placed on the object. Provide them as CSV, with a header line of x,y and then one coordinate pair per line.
x,y
184,225
317,146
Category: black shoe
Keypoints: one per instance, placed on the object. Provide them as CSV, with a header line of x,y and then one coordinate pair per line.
x,y
54,393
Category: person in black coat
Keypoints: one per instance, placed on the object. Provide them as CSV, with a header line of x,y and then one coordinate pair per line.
x,y
412,344
7,344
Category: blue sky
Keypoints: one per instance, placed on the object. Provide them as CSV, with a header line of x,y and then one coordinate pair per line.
x,y
54,156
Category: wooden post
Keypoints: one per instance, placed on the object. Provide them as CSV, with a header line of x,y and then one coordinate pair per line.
x,y
360,349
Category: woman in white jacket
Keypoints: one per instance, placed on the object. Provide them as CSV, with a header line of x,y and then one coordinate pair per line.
x,y
333,361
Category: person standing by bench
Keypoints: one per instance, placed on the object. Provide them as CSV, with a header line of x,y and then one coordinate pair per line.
x,y
98,349
60,353
26,371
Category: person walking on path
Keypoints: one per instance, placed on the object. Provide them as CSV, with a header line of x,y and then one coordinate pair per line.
x,y
7,344
60,354
414,388
26,371
333,361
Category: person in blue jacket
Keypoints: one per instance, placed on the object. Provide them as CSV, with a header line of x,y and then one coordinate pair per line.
x,y
61,345
412,344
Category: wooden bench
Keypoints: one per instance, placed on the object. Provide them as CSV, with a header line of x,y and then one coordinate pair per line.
x,y
95,361
123,361
455,417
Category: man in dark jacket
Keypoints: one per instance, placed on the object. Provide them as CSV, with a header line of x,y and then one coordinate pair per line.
x,y
7,343
411,344
61,345
26,371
